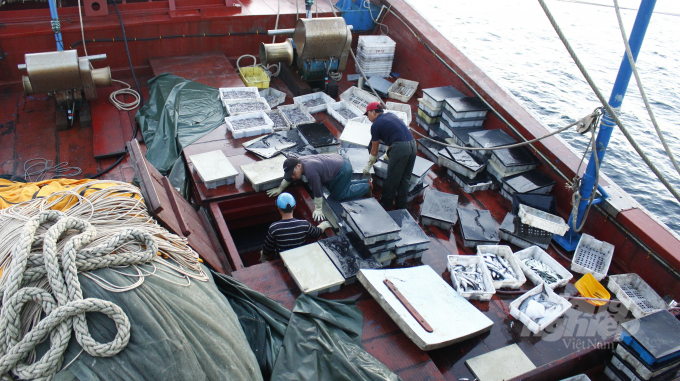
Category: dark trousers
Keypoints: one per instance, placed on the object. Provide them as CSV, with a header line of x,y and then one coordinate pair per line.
x,y
342,187
401,158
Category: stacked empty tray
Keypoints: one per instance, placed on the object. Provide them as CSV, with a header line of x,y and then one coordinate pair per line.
x,y
214,169
460,162
431,105
533,181
439,209
649,349
413,240
375,55
420,170
464,112
369,220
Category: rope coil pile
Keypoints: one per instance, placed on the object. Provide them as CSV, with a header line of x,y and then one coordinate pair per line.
x,y
42,250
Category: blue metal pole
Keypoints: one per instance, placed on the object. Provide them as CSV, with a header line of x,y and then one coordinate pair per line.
x,y
56,26
618,92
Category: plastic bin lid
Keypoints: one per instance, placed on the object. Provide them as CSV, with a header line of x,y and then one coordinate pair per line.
x,y
466,104
544,202
658,333
462,157
411,233
515,157
439,94
439,206
492,138
317,134
463,134
370,217
481,178
528,182
478,225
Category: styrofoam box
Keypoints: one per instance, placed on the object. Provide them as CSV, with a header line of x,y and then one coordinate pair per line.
x,y
470,188
515,168
333,109
506,253
540,255
276,97
455,167
530,324
498,173
462,122
358,98
412,86
635,294
592,256
229,105
402,115
224,92
445,127
318,95
542,220
465,115
430,111
401,107
466,260
245,132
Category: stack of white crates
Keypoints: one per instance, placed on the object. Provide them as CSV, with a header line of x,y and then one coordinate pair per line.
x,y
375,55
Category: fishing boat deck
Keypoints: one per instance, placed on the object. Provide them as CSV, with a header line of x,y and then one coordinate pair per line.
x,y
577,341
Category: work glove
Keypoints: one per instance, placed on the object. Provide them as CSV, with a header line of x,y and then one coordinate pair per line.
x,y
263,258
371,160
277,191
324,225
318,209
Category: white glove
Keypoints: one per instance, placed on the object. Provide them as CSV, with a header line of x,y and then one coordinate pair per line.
x,y
324,225
318,209
263,259
371,160
277,191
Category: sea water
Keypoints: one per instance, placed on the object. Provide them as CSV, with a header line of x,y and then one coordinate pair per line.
x,y
514,43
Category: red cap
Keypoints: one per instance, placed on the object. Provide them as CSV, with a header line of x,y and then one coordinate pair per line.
x,y
373,106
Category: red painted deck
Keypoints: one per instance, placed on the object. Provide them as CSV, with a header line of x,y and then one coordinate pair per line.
x,y
173,43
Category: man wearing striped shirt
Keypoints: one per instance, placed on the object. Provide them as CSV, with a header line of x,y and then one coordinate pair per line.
x,y
290,232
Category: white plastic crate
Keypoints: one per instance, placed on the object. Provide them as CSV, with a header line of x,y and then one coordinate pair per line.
x,y
376,44
407,89
235,107
301,116
462,122
466,260
334,108
530,324
250,131
467,188
236,93
506,253
432,112
542,220
540,255
319,97
274,97
402,115
592,256
358,98
580,377
362,119
401,107
635,294
277,115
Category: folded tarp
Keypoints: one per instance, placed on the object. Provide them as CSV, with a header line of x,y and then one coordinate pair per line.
x,y
178,332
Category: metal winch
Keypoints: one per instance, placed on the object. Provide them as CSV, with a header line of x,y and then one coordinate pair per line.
x,y
319,47
69,78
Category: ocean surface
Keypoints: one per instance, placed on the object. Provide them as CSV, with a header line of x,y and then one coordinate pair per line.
x,y
515,44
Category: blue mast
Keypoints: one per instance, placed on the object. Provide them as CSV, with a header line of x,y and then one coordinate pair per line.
x,y
607,125
56,26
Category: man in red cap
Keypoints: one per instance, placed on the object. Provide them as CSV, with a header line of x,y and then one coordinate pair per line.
x,y
401,150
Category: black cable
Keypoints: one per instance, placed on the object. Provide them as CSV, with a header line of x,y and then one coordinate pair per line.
x,y
141,99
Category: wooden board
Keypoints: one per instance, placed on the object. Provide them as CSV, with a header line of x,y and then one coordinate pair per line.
x,y
177,214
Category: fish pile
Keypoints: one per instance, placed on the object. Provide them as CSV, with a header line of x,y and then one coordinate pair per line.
x,y
246,107
247,123
539,309
548,275
469,278
295,115
347,113
278,120
360,103
500,268
405,91
314,102
238,95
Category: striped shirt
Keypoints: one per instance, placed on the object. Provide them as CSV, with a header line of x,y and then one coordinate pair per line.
x,y
288,234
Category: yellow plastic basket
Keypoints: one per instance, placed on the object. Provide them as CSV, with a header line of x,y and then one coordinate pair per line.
x,y
589,287
253,76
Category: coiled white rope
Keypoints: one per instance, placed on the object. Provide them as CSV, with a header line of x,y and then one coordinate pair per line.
x,y
120,105
68,311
